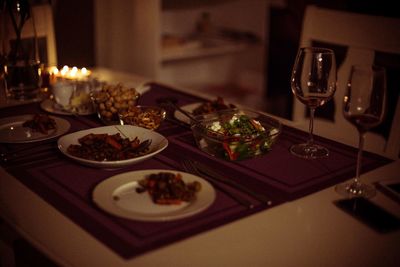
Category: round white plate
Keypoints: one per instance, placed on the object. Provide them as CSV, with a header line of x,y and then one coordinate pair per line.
x,y
12,131
158,144
117,195
51,106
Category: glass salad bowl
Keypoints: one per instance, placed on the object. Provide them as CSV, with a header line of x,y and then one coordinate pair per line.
x,y
235,134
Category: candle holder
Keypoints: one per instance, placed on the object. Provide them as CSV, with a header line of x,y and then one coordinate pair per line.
x,y
71,88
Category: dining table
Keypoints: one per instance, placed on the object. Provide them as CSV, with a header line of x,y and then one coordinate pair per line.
x,y
47,199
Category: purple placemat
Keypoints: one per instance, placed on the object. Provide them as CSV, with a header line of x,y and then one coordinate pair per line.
x,y
68,186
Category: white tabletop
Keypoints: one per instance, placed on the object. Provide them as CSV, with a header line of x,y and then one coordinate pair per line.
x,y
310,231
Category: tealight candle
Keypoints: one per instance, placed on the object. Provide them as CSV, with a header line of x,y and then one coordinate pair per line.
x,y
71,88
62,92
66,72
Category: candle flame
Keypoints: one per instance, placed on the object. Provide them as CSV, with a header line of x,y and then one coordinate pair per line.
x,y
73,73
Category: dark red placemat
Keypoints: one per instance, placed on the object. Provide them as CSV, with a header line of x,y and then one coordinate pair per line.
x,y
68,186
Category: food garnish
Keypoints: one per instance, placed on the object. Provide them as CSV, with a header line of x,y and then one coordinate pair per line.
x,y
106,147
41,123
167,188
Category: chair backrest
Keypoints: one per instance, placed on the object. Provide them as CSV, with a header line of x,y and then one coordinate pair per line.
x,y
356,39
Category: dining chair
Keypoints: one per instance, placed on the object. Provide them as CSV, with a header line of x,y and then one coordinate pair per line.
x,y
355,39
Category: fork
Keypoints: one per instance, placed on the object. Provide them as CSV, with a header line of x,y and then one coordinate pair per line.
x,y
189,167
29,160
27,149
27,157
24,152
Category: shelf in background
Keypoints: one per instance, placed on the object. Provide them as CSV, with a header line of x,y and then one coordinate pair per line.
x,y
193,50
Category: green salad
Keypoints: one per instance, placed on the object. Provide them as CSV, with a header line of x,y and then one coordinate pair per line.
x,y
242,137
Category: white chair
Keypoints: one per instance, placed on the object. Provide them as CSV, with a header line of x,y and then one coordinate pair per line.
x,y
363,37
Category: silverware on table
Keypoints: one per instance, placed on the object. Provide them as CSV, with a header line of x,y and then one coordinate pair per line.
x,y
26,154
166,102
28,148
177,122
30,160
184,112
191,168
205,170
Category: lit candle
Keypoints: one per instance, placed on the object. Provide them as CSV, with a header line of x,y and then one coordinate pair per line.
x,y
85,72
64,71
73,73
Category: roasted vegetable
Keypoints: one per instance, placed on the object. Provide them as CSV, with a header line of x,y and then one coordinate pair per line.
x,y
41,123
167,188
101,147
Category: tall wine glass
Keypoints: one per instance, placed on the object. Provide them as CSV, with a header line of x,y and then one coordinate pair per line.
x,y
364,106
313,82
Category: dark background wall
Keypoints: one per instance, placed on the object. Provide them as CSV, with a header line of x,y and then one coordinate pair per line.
x,y
74,27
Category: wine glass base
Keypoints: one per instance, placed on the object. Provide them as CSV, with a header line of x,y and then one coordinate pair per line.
x,y
356,189
309,151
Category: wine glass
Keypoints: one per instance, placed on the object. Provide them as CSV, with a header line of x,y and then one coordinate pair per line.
x,y
364,106
313,82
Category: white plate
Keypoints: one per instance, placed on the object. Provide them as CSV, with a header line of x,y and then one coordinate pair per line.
x,y
12,131
51,106
189,108
117,195
158,144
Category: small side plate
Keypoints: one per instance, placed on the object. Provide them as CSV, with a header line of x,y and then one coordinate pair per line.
x,y
12,131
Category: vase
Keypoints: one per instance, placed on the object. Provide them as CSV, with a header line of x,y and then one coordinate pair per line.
x,y
20,60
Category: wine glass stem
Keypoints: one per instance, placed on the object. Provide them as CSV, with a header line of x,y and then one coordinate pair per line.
x,y
311,127
359,155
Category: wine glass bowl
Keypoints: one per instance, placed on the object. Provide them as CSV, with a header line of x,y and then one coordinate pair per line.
x,y
364,106
313,82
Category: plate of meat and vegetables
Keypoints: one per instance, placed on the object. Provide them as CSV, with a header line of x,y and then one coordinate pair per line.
x,y
154,195
113,146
